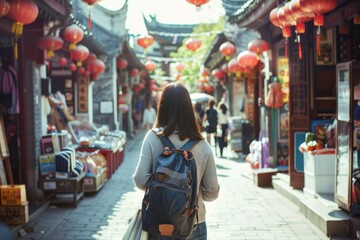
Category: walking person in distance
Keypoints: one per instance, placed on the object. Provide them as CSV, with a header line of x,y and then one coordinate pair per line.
x,y
176,119
211,117
223,121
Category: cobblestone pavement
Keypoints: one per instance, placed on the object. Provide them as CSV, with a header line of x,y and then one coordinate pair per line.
x,y
242,211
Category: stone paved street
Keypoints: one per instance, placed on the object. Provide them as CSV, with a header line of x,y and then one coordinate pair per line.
x,y
243,210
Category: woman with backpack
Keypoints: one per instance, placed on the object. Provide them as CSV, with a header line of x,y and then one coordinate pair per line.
x,y
176,122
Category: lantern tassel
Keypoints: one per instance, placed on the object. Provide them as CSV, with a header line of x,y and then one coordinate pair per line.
x,y
89,21
72,45
299,47
50,53
17,28
318,41
286,47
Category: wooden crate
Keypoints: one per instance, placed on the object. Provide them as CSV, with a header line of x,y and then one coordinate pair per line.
x,y
94,184
15,215
262,176
13,194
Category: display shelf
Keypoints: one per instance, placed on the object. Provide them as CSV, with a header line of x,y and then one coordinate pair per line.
x,y
64,191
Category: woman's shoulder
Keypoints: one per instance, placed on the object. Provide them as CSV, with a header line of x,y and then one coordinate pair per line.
x,y
203,146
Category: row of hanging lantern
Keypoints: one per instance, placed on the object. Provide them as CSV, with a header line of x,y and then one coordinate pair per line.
x,y
296,13
243,62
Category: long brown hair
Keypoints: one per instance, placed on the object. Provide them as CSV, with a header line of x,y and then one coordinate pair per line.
x,y
176,113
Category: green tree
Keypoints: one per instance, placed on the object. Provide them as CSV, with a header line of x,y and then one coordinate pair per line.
x,y
206,33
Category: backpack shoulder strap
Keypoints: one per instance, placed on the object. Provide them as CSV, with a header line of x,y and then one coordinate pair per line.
x,y
164,139
190,144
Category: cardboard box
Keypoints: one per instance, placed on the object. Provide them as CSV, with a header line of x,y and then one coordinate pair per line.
x,y
13,194
15,215
47,165
92,184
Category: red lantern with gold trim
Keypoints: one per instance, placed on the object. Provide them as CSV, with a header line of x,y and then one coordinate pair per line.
x,y
73,34
137,87
203,80
258,46
50,44
193,44
197,3
22,12
217,73
205,72
179,67
227,49
247,59
150,65
72,67
90,4
79,54
62,61
234,67
145,41
4,8
96,67
318,8
134,72
121,63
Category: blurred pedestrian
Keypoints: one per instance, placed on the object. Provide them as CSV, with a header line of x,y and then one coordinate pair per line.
x,y
175,115
149,117
224,115
199,114
211,121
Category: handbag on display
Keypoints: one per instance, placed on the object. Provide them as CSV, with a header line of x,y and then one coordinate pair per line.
x,y
134,230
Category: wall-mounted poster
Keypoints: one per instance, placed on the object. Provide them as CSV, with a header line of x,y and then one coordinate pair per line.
x,y
82,95
326,54
343,94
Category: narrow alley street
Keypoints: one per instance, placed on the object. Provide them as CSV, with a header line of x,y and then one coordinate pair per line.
x,y
243,210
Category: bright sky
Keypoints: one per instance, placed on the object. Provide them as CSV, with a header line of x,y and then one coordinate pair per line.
x,y
167,11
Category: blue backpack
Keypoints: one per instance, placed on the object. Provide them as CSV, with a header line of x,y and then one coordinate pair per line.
x,y
169,206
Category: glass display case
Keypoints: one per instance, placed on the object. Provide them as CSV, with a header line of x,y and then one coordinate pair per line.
x,y
347,184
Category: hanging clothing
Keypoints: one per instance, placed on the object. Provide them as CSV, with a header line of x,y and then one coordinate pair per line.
x,y
45,110
9,92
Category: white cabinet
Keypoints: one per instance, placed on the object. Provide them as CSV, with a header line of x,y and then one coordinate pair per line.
x,y
319,173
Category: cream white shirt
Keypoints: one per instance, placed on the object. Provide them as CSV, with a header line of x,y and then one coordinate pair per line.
x,y
208,186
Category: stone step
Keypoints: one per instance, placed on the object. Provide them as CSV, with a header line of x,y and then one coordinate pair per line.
x,y
331,220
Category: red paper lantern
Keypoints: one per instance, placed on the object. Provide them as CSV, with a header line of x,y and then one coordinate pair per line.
x,y
134,72
217,73
273,17
121,63
150,65
258,46
22,12
92,57
227,49
96,67
205,72
81,70
179,67
73,34
87,74
62,61
247,59
50,43
234,67
145,41
79,54
209,89
90,4
193,44
203,80
137,87
318,7
72,67
4,8
197,3
225,68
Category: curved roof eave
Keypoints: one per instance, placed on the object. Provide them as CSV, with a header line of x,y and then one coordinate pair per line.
x,y
253,14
